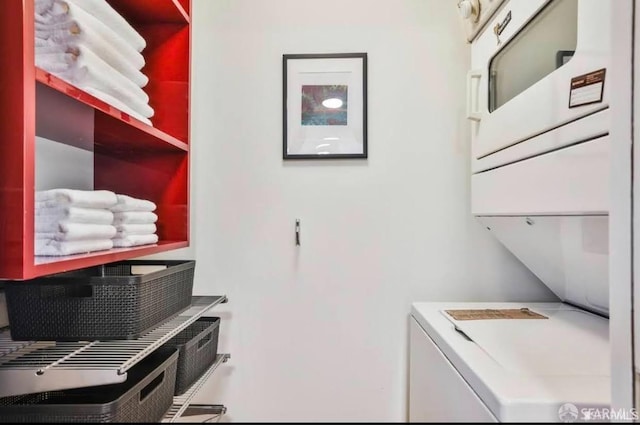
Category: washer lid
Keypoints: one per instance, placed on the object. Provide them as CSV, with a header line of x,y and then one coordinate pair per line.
x,y
525,370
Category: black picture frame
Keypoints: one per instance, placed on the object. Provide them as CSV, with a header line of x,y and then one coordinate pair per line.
x,y
305,121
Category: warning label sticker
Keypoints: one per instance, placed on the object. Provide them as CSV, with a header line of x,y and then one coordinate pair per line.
x,y
587,89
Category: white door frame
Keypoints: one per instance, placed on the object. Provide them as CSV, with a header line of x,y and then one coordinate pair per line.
x,y
622,214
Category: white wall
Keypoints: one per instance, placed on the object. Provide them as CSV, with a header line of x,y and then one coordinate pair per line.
x,y
52,170
319,332
57,146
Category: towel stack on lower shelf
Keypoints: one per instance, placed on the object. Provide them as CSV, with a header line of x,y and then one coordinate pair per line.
x,y
135,222
73,221
90,45
79,221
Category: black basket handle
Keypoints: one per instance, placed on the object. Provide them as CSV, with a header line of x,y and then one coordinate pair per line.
x,y
205,340
151,387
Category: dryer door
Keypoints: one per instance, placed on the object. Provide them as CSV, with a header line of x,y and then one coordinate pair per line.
x,y
544,66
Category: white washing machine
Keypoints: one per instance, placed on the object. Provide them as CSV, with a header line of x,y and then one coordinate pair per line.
x,y
507,370
522,369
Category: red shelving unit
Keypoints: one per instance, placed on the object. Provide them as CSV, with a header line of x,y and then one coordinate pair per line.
x,y
165,11
131,157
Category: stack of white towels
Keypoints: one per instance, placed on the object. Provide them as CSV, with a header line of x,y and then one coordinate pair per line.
x,y
73,221
76,221
134,220
90,45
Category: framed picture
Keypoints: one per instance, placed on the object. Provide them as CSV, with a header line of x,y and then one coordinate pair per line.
x,y
324,106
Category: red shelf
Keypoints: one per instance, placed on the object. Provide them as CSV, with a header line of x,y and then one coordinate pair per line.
x,y
168,11
50,265
129,156
113,127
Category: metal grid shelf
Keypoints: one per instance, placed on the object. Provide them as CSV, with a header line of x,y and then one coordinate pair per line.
x,y
181,402
31,367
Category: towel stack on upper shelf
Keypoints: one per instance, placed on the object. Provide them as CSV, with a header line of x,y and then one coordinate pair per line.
x,y
73,221
135,222
90,45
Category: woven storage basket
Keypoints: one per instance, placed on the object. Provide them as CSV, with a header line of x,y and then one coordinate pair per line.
x,y
144,397
111,301
198,347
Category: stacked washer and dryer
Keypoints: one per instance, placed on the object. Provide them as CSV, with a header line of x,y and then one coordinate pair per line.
x,y
539,106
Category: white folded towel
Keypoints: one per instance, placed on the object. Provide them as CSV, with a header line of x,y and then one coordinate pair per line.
x,y
47,11
101,48
42,6
124,230
128,203
44,46
84,55
76,198
48,247
78,232
134,217
55,63
78,25
73,214
134,240
101,10
49,223
89,71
